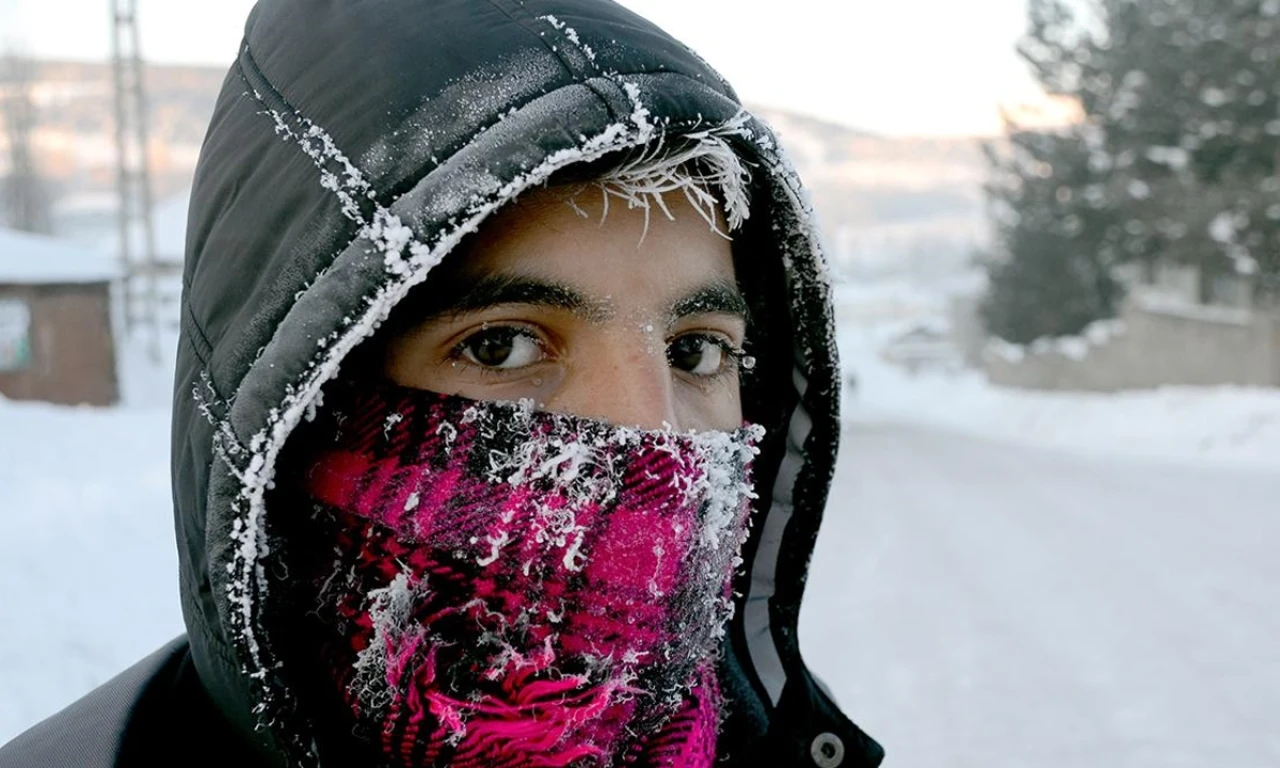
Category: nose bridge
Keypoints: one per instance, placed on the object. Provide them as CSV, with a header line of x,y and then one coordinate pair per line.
x,y
624,383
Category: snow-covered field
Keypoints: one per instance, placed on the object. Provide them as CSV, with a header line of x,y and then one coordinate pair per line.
x,y
1226,426
980,596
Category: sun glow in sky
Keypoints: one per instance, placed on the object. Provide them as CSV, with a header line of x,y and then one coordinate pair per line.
x,y
914,67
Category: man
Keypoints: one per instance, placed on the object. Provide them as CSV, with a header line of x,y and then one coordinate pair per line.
x,y
479,296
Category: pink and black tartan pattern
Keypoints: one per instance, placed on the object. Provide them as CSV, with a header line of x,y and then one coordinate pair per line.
x,y
517,588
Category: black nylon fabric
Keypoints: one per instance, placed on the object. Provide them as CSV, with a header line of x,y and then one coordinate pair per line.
x,y
91,732
437,111
154,713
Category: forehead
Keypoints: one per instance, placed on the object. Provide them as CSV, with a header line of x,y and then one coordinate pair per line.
x,y
579,237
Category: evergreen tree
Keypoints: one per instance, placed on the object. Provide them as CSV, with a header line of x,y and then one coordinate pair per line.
x,y
1177,158
1052,200
1191,115
1054,278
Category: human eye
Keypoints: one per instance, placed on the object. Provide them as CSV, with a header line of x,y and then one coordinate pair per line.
x,y
504,347
702,354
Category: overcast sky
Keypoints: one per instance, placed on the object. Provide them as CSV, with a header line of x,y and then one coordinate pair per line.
x,y
923,67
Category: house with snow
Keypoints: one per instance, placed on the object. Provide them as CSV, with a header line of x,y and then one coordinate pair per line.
x,y
56,321
1160,339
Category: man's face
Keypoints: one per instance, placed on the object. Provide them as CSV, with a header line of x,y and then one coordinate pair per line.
x,y
587,314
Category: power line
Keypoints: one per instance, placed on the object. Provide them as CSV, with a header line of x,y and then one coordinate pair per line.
x,y
133,175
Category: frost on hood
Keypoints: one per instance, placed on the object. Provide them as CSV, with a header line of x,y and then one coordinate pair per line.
x,y
407,257
570,33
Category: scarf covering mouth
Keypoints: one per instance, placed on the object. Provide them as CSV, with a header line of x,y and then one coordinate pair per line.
x,y
490,585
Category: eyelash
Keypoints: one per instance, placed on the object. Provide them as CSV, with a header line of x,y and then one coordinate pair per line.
x,y
458,353
738,360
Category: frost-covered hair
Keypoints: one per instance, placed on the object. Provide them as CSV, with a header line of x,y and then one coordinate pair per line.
x,y
703,166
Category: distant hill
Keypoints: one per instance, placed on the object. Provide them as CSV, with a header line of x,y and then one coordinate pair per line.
x,y
886,203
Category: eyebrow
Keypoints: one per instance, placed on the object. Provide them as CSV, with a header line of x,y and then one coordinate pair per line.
x,y
480,293
719,298
462,294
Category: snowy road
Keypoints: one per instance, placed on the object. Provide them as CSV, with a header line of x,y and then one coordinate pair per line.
x,y
978,604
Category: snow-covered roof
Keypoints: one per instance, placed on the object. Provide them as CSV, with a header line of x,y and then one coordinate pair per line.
x,y
29,259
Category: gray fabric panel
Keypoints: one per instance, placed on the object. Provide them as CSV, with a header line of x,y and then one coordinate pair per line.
x,y
758,616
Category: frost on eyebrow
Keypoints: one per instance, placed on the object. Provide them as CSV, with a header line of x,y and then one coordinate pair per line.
x,y
722,297
457,295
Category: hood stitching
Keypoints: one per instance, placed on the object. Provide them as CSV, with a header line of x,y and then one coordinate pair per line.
x,y
572,39
390,237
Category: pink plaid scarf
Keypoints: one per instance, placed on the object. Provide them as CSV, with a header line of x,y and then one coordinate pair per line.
x,y
505,587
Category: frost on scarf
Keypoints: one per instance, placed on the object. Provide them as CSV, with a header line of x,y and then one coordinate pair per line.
x,y
524,588
407,259
388,228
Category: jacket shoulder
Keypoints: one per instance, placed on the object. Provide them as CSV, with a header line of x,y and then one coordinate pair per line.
x,y
89,733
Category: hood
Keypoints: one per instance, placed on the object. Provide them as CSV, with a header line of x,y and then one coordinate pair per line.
x,y
354,144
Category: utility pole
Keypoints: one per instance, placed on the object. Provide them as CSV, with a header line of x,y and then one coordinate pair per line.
x,y
133,176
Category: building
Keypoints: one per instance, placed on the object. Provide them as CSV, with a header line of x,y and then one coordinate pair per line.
x,y
56,321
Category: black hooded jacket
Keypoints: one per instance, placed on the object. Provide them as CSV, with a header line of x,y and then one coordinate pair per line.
x,y
355,142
